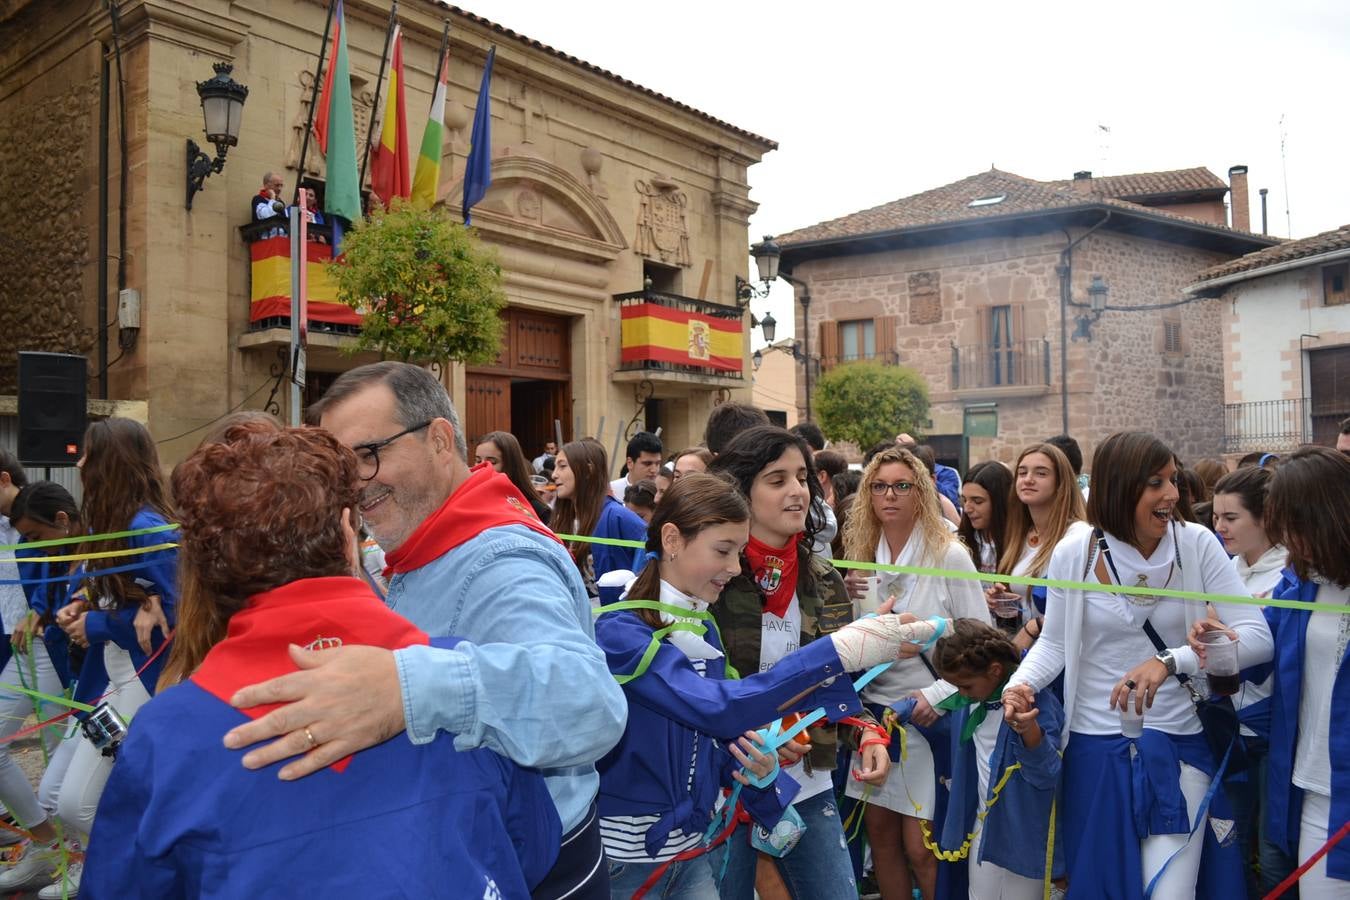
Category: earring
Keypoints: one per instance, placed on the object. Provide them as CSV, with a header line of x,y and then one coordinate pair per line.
x,y
672,556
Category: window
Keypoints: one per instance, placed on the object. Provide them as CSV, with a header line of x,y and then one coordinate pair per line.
x,y
987,201
1334,280
665,279
857,340
1002,356
1172,336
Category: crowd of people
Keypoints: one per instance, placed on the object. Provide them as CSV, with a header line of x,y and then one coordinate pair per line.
x,y
351,657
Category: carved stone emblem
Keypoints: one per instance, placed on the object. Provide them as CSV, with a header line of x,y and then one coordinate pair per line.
x,y
662,231
925,298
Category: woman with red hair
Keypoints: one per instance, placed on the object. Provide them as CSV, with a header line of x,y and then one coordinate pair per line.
x,y
268,552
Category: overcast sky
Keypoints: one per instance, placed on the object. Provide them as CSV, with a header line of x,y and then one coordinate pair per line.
x,y
873,101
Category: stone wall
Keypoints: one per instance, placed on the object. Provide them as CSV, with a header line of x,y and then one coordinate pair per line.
x,y
48,207
1123,378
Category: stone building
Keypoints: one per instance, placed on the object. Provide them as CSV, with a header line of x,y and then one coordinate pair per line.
x,y
984,287
606,195
1286,342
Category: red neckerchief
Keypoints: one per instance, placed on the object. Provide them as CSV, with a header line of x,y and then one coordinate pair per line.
x,y
486,499
775,571
314,613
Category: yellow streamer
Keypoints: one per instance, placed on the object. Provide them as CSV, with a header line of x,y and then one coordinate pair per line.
x,y
964,851
106,554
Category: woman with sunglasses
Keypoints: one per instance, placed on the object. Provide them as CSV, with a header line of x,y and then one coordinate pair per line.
x,y
896,520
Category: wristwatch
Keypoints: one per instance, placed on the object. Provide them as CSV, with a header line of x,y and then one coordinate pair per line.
x,y
1168,660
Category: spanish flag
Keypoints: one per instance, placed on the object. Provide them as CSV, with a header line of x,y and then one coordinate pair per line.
x,y
271,283
661,334
389,175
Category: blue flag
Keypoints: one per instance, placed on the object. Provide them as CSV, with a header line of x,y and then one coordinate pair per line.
x,y
478,172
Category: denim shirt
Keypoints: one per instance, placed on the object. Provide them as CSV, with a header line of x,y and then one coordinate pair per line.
x,y
528,680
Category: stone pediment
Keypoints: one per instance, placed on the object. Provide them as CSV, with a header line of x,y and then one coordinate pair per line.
x,y
533,201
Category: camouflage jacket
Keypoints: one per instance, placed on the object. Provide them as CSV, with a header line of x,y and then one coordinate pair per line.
x,y
825,607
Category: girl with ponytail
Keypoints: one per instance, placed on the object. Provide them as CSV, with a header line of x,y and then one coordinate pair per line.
x,y
689,719
1007,853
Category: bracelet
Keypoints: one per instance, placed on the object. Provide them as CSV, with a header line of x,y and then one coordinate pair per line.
x,y
883,740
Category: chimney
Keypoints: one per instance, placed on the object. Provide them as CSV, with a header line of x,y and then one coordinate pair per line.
x,y
1082,182
1238,199
1263,193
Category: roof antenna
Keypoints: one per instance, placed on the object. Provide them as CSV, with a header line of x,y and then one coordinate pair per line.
x,y
1284,165
1104,148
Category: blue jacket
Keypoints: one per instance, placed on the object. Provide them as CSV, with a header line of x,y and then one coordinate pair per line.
x,y
1284,801
671,708
617,521
528,680
1017,826
157,573
949,484
44,598
180,817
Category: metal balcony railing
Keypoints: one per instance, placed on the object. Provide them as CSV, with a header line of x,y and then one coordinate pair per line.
x,y
1274,425
1019,364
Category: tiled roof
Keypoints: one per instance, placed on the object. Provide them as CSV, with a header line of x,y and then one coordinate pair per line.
x,y
1327,241
766,143
951,204
1155,184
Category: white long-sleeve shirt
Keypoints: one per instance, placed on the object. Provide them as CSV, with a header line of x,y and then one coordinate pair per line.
x,y
1108,628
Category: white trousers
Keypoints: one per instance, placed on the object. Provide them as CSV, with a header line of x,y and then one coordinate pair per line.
x,y
1180,877
1315,884
78,771
32,670
991,882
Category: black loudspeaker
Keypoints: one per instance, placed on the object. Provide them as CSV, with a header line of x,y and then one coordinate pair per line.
x,y
52,408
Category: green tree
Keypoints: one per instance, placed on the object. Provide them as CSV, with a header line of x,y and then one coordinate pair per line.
x,y
866,402
427,289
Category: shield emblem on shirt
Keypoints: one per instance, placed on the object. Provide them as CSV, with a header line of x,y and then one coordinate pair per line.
x,y
772,576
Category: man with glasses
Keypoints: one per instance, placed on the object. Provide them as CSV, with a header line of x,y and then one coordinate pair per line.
x,y
469,559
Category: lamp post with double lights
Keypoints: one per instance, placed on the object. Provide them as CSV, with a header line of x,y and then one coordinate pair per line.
x,y
767,255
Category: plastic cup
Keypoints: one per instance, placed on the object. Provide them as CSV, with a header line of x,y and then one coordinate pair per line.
x,y
1131,722
1221,662
870,601
1008,606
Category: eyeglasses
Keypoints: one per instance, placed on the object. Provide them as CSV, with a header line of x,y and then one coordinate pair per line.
x,y
368,454
879,488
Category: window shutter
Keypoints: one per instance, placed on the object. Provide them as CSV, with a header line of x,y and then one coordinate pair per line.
x,y
886,327
829,343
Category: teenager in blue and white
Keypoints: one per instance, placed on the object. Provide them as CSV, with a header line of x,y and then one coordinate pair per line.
x,y
1130,807
1239,510
895,520
1006,858
684,740
1308,782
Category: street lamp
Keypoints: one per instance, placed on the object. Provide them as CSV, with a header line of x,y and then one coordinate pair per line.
x,y
767,256
222,101
770,327
1097,293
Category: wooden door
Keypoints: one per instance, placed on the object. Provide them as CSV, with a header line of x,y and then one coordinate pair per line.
x,y
487,402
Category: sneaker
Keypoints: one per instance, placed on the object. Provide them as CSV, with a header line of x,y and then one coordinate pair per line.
x,y
71,888
37,865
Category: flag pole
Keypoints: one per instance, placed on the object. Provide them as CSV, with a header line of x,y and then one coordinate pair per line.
x,y
440,59
314,99
375,103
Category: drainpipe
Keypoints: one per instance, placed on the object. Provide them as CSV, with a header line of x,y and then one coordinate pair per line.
x,y
101,336
1065,272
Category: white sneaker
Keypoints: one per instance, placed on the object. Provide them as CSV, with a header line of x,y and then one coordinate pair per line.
x,y
36,866
57,891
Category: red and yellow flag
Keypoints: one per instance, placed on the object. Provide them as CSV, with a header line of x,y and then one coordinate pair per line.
x,y
390,175
271,283
662,334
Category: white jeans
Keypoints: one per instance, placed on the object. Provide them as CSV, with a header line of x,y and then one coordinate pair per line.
x,y
78,772
32,670
1181,875
991,882
1315,884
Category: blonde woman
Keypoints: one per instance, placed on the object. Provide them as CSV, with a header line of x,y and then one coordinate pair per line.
x,y
1045,507
895,520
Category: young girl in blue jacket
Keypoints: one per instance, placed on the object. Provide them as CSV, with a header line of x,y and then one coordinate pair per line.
x,y
1007,854
687,715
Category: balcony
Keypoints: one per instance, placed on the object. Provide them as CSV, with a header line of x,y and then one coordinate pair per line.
x,y
1266,425
269,244
669,338
1017,369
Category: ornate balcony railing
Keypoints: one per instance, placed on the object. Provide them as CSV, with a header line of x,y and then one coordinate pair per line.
x,y
669,333
1019,364
1274,425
